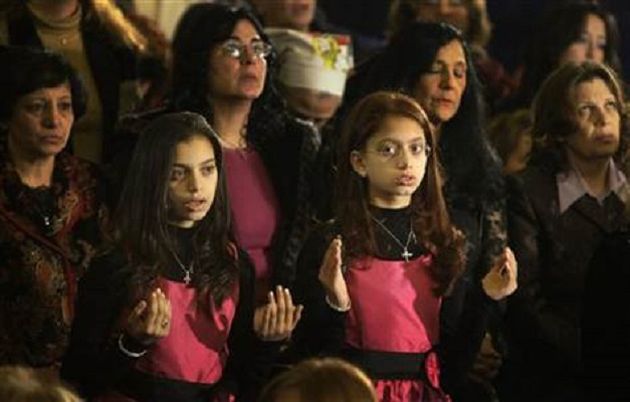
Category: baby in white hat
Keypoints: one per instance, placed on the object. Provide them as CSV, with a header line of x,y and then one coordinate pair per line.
x,y
312,71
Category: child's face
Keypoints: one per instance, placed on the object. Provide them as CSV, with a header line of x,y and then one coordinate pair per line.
x,y
394,162
193,182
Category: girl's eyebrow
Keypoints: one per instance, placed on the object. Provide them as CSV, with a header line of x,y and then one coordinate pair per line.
x,y
184,165
418,138
45,98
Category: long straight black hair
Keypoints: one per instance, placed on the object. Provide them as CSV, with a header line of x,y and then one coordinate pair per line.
x,y
142,214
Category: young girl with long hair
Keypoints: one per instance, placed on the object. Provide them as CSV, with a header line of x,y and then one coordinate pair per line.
x,y
433,64
167,313
373,279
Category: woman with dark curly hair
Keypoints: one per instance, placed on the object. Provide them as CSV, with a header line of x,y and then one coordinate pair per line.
x,y
222,70
432,63
52,212
167,312
372,280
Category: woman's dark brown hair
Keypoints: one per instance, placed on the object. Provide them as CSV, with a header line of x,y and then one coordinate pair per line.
x,y
560,25
431,221
554,111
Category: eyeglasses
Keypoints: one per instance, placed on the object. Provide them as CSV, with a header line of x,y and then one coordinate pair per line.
x,y
388,151
236,49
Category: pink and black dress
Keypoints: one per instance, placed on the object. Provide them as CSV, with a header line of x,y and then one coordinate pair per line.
x,y
392,328
210,354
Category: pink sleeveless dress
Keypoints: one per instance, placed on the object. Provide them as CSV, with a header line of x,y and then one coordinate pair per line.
x,y
196,348
395,310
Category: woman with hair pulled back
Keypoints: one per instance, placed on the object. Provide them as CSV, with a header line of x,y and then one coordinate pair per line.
x,y
167,313
389,256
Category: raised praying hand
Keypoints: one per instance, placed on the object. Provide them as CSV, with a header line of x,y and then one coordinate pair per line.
x,y
277,319
150,319
331,276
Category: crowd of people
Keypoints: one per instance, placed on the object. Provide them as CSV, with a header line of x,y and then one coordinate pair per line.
x,y
273,207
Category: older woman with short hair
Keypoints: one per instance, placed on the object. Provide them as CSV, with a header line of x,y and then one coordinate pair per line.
x,y
560,209
52,217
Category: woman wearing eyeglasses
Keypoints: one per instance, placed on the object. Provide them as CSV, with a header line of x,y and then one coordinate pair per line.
x,y
222,62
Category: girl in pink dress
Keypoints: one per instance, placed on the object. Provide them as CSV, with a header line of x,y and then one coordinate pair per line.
x,y
167,313
372,280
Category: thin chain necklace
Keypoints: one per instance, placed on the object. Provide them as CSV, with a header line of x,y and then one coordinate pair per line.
x,y
240,145
187,271
405,253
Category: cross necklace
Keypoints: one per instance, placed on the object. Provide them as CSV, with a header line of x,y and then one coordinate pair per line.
x,y
405,253
187,271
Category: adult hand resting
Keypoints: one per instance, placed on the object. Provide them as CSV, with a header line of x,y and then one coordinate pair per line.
x,y
276,320
150,320
501,280
331,276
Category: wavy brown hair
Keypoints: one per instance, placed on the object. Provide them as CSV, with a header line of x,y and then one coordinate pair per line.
x,y
554,112
431,221
142,215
